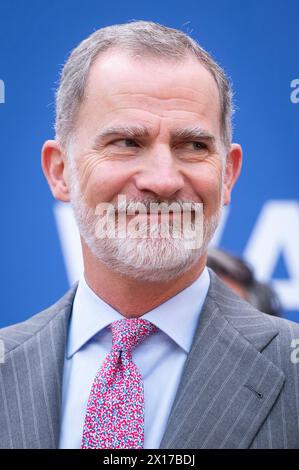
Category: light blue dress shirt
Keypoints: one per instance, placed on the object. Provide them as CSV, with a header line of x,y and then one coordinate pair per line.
x,y
160,358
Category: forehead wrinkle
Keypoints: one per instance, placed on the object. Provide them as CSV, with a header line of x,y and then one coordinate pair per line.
x,y
159,96
129,100
162,114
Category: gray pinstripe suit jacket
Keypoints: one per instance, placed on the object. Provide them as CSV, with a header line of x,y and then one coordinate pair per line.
x,y
239,387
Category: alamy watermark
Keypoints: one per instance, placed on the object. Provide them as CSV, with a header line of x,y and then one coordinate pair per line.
x,y
148,219
2,92
295,92
295,352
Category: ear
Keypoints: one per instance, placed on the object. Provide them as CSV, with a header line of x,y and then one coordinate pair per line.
x,y
53,160
232,171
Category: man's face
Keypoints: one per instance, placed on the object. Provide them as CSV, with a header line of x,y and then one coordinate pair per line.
x,y
150,130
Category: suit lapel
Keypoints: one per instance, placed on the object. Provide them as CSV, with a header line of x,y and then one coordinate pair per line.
x,y
228,387
31,378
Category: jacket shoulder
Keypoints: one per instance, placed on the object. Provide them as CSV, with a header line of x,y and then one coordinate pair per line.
x,y
15,335
257,327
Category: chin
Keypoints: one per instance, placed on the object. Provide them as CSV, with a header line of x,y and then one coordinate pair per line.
x,y
146,260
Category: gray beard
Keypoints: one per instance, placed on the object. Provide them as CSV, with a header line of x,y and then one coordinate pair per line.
x,y
152,259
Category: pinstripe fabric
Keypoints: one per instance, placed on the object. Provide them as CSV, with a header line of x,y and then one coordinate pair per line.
x,y
31,378
239,388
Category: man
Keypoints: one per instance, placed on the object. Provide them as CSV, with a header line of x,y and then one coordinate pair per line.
x,y
150,349
239,276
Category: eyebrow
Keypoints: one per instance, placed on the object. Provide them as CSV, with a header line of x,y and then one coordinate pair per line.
x,y
127,131
193,133
139,131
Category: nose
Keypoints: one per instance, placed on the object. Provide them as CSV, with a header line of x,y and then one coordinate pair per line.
x,y
160,174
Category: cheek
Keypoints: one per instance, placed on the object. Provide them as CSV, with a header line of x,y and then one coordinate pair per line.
x,y
104,183
207,184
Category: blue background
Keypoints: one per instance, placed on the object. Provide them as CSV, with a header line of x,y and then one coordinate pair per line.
x,y
257,42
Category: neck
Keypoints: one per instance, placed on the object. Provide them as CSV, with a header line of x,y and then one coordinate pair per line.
x,y
130,297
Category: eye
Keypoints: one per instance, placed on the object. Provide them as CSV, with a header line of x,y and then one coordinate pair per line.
x,y
125,143
198,145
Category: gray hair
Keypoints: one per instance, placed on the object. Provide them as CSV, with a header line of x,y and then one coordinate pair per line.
x,y
138,37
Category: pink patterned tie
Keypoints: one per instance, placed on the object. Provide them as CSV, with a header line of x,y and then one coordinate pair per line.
x,y
115,409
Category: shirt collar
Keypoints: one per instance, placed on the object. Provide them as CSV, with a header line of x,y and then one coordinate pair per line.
x,y
177,317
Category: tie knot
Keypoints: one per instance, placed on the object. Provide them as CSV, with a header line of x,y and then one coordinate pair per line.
x,y
127,333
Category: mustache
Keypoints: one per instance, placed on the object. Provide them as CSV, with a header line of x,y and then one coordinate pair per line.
x,y
155,206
